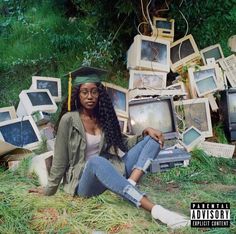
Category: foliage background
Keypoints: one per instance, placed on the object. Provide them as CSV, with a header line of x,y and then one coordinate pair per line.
x,y
50,38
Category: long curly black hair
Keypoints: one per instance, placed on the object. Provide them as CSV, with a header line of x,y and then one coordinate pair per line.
x,y
104,113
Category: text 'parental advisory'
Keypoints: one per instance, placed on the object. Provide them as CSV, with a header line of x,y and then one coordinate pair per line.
x,y
210,215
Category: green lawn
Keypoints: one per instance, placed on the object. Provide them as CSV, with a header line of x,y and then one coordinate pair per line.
x,y
206,179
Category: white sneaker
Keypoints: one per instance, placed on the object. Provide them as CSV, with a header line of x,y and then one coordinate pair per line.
x,y
170,218
132,182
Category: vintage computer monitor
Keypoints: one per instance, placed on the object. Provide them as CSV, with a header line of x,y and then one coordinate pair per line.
x,y
184,52
158,113
21,132
149,53
50,83
191,137
163,27
35,100
204,80
7,113
119,98
213,51
41,166
228,112
147,79
228,65
194,112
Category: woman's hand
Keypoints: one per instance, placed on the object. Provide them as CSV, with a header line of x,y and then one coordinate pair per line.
x,y
155,134
38,190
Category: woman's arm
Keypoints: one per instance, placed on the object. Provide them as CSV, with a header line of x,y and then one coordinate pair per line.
x,y
155,134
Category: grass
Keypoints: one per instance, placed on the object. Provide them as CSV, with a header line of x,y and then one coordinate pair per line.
x,y
206,179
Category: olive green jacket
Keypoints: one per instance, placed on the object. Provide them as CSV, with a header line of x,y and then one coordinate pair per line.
x,y
69,154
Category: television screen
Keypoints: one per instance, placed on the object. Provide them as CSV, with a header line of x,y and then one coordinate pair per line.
x,y
213,53
227,110
196,113
206,84
47,84
119,98
149,53
4,116
39,98
163,27
156,113
232,107
163,24
50,83
7,113
20,132
154,52
204,80
190,136
181,51
147,79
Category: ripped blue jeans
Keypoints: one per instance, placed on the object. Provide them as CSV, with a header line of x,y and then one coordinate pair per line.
x,y
99,174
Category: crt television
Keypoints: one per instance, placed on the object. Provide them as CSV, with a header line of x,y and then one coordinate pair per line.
x,y
41,166
164,27
119,98
204,80
213,51
35,100
7,113
50,83
158,113
228,112
149,53
194,112
147,79
191,137
228,65
21,132
183,52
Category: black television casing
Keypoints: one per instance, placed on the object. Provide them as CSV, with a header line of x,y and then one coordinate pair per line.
x,y
229,126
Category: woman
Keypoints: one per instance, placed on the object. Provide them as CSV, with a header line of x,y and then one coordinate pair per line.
x,y
92,155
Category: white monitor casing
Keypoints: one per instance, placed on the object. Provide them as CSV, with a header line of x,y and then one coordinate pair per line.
x,y
45,83
26,107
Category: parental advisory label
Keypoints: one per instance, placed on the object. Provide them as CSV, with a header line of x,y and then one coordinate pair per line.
x,y
210,215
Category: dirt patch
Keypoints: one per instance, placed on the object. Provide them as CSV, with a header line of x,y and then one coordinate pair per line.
x,y
120,227
172,187
219,187
46,218
48,214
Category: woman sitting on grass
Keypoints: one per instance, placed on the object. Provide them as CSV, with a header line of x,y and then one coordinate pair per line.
x,y
86,151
